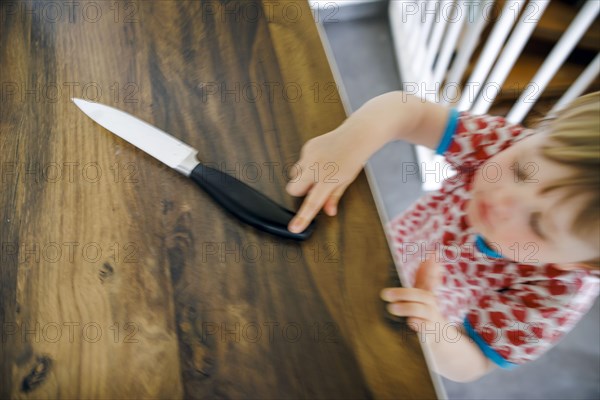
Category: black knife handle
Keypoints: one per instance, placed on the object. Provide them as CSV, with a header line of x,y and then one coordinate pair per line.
x,y
246,203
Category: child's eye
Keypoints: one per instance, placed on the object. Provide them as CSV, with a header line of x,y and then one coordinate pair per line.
x,y
535,224
521,175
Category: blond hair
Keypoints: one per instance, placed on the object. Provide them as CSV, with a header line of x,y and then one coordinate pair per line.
x,y
574,141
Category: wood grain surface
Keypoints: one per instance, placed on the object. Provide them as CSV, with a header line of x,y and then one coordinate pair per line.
x,y
119,278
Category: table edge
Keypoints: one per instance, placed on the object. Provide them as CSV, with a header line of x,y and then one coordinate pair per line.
x,y
383,217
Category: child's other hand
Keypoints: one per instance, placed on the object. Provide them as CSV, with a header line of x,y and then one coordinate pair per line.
x,y
328,165
418,303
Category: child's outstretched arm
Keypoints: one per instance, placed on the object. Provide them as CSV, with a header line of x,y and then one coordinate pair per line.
x,y
329,163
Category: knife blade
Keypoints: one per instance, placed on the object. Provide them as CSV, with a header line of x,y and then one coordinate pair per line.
x,y
238,198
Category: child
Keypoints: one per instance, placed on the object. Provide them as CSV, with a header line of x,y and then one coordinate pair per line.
x,y
501,261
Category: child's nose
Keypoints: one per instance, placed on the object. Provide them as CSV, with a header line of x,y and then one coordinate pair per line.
x,y
505,207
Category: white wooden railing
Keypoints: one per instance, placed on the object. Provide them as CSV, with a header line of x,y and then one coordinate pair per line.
x,y
435,41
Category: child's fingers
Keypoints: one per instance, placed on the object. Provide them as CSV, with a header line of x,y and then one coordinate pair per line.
x,y
330,208
309,208
415,310
294,171
300,186
408,294
429,275
333,200
416,324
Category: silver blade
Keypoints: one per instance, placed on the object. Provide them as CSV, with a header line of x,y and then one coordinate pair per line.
x,y
142,135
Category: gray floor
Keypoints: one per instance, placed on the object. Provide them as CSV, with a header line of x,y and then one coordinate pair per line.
x,y
364,53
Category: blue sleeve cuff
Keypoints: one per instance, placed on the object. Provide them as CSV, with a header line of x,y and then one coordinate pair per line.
x,y
448,133
485,249
486,349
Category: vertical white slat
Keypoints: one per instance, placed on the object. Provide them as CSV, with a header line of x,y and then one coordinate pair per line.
x,y
416,25
490,52
582,82
406,13
527,23
429,162
476,22
428,14
427,159
415,28
427,19
436,36
407,56
397,28
456,22
553,62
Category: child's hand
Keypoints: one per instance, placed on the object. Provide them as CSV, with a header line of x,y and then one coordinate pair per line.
x,y
418,303
328,165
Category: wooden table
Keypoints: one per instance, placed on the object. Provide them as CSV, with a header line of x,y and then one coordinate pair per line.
x,y
119,278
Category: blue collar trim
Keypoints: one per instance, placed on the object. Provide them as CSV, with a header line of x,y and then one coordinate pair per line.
x,y
484,248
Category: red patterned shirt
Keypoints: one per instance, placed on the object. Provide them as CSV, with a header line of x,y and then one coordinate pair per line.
x,y
514,311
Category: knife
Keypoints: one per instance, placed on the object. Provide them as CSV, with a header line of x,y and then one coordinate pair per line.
x,y
241,200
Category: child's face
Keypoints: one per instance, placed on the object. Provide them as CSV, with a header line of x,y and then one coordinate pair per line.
x,y
523,225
